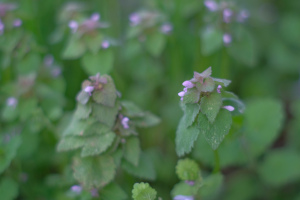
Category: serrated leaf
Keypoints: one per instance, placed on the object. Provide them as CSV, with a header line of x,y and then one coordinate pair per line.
x,y
280,167
215,133
210,105
207,86
101,62
104,114
143,191
83,97
155,43
145,168
190,113
185,138
187,170
8,189
83,111
263,121
8,151
97,144
70,143
113,192
94,172
78,127
132,150
74,48
222,82
211,40
108,95
93,43
191,96
147,120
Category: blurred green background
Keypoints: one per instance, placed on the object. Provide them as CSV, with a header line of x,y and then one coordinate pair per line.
x,y
262,59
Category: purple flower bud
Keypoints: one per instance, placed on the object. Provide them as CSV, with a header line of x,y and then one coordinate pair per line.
x,y
95,17
219,88
76,188
105,44
185,89
243,16
89,89
2,26
211,5
11,101
55,72
191,183
166,28
124,122
182,197
17,23
229,108
73,25
188,84
227,13
181,94
135,19
227,38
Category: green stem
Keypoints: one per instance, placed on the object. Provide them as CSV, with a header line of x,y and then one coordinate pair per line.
x,y
217,162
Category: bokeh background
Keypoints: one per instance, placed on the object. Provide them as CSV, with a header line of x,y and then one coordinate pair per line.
x,y
256,44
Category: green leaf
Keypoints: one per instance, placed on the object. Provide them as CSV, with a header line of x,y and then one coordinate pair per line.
x,y
93,43
211,185
185,137
215,133
131,110
104,114
94,171
190,113
263,121
145,168
8,189
239,106
211,41
210,105
143,191
146,121
97,144
184,189
107,95
113,192
83,111
83,97
155,43
9,113
75,48
70,143
207,86
280,167
78,127
101,62
8,151
132,150
187,170
191,96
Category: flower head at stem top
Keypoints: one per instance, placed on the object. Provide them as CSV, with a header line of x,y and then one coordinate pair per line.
x,y
98,81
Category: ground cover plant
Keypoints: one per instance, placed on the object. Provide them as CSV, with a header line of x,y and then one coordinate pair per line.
x,y
145,100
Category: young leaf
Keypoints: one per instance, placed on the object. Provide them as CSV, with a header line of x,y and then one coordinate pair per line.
x,y
108,95
104,114
190,113
215,133
132,150
143,191
210,105
187,170
222,82
207,86
185,137
96,144
94,172
145,168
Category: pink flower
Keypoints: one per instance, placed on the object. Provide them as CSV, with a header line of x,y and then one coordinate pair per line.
x,y
17,22
73,25
227,13
95,17
124,122
76,188
105,44
188,84
227,38
12,102
135,19
211,5
229,108
219,88
166,28
89,89
181,94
